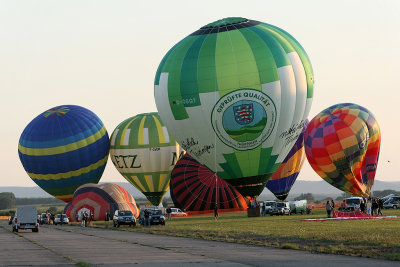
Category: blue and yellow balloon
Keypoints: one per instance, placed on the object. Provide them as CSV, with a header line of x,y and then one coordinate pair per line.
x,y
64,148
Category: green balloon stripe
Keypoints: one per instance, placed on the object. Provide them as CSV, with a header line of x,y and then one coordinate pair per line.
x,y
231,75
274,46
303,57
188,83
207,73
137,135
174,64
266,65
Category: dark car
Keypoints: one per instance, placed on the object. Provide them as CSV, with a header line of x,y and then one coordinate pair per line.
x,y
124,217
157,217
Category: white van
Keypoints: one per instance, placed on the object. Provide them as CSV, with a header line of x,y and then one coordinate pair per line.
x,y
353,203
25,218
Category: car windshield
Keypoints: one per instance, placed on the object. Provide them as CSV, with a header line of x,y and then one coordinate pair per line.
x,y
280,204
125,213
353,201
269,203
156,212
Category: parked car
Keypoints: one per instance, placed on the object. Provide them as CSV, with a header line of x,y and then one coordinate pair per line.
x,y
124,217
175,212
281,208
25,218
391,204
269,205
61,219
156,217
353,203
10,219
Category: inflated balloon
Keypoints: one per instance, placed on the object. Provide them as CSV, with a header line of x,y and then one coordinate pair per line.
x,y
342,145
64,148
100,200
145,154
196,188
235,95
284,177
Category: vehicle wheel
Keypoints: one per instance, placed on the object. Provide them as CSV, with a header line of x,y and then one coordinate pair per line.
x,y
395,207
163,223
302,212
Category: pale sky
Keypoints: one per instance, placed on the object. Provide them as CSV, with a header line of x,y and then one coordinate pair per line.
x,y
103,55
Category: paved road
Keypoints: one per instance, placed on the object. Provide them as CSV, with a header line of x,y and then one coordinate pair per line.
x,y
69,245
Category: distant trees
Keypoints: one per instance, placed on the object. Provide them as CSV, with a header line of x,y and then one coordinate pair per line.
x,y
7,200
308,196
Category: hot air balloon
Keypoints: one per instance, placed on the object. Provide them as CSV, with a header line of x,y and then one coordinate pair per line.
x,y
64,148
235,95
144,153
100,200
193,187
284,177
342,145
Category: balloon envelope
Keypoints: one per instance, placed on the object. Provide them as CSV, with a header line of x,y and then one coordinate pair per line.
x,y
235,95
144,153
64,148
284,177
196,188
342,145
100,199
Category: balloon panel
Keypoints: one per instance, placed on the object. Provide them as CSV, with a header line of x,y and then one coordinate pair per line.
x,y
285,176
63,148
144,153
99,199
195,188
235,95
342,145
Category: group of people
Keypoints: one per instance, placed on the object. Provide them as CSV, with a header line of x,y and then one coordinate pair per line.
x,y
371,206
86,218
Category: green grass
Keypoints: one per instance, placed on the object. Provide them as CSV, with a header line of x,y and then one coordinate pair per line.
x,y
366,238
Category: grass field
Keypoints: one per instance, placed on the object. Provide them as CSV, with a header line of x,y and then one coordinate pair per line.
x,y
367,238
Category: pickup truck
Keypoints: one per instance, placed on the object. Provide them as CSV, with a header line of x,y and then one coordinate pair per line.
x,y
25,218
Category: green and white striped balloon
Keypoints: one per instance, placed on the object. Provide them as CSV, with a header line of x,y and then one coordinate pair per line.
x,y
145,154
235,95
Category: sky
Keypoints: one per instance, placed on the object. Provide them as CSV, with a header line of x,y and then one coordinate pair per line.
x,y
103,55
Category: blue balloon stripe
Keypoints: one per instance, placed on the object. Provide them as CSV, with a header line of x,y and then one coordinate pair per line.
x,y
24,141
282,185
66,162
71,181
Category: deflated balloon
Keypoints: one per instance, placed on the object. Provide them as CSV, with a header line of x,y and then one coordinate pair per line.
x,y
196,188
144,153
342,145
284,177
100,200
64,148
235,95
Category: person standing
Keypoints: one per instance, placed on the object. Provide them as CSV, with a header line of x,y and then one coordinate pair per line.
x,y
169,211
216,212
146,218
369,206
332,204
380,206
328,208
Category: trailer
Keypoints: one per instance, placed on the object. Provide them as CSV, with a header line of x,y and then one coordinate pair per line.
x,y
299,206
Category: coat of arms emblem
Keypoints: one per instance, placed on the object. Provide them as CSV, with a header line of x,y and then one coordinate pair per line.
x,y
244,114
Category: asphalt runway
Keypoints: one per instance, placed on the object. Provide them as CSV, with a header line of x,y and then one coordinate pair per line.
x,y
71,245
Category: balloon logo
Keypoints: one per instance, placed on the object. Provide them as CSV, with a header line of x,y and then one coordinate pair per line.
x,y
342,145
64,148
145,154
235,95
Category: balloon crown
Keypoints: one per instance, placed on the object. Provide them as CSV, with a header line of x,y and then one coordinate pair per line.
x,y
225,22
